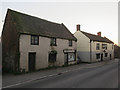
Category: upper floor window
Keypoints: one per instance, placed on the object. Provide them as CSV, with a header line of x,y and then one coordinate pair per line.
x,y
97,46
104,46
34,40
112,46
53,42
70,42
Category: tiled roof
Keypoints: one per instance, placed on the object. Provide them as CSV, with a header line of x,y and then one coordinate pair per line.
x,y
96,37
27,24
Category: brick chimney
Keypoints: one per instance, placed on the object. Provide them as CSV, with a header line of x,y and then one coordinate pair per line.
x,y
78,27
99,33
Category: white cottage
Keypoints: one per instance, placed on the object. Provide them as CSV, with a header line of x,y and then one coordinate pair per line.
x,y
92,48
31,43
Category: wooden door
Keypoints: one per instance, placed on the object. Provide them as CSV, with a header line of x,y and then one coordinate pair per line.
x,y
65,58
32,59
110,56
101,57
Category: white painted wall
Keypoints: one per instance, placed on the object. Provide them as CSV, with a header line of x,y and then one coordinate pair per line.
x,y
83,46
42,51
109,51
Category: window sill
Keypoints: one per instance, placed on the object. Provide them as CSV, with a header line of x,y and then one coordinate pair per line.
x,y
72,61
52,61
34,44
97,58
53,45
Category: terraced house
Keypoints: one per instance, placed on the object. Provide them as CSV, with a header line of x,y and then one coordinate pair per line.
x,y
93,48
31,43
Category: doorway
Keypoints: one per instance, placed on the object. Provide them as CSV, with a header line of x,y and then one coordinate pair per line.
x,y
32,59
66,58
110,56
101,57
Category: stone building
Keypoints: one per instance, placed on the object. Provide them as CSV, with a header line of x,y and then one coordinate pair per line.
x,y
30,43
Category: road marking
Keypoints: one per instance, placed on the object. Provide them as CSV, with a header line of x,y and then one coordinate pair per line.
x,y
29,81
50,75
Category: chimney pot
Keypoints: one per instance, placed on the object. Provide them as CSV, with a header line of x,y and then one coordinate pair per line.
x,y
78,27
99,33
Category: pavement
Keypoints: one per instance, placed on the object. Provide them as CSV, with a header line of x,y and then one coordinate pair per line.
x,y
10,80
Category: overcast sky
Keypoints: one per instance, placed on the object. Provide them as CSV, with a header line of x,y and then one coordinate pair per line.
x,y
92,16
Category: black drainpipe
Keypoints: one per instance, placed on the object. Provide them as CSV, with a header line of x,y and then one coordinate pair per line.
x,y
90,52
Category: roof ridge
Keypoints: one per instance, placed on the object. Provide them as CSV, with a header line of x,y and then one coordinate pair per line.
x,y
107,39
96,37
27,24
68,30
32,16
92,34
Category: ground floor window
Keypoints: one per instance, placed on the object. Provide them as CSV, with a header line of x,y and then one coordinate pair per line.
x,y
71,56
52,57
106,54
98,56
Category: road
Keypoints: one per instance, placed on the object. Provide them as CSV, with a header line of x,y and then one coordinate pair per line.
x,y
105,76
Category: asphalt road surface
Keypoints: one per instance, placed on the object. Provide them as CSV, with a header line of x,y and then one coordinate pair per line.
x,y
98,77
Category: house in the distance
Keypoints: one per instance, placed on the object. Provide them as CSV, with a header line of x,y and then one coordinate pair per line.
x,y
117,51
31,43
92,48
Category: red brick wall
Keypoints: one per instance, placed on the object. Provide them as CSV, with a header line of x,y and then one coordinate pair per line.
x,y
9,44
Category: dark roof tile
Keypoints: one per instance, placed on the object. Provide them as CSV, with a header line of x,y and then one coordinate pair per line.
x,y
27,24
96,37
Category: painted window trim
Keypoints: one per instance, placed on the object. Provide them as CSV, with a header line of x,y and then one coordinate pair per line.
x,y
70,43
104,46
98,54
51,43
49,59
97,44
106,54
33,42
